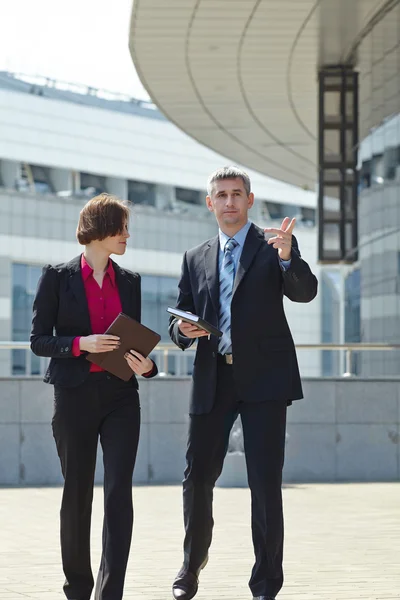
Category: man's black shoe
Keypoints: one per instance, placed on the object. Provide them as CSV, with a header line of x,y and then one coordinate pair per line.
x,y
186,583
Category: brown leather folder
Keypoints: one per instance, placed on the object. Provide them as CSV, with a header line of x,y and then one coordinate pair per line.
x,y
133,336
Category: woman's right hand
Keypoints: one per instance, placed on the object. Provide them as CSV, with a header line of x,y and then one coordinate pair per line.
x,y
98,343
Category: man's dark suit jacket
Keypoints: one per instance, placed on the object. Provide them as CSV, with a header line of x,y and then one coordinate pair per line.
x,y
61,313
265,365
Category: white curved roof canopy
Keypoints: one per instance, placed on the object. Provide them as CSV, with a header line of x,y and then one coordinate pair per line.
x,y
240,76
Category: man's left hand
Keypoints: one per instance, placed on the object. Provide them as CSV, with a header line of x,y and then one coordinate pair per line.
x,y
282,239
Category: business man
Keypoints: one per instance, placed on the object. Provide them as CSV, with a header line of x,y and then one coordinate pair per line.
x,y
237,281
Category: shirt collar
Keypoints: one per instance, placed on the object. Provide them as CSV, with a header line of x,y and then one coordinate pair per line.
x,y
240,236
87,270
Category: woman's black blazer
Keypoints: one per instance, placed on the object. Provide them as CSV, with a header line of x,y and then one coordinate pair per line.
x,y
60,313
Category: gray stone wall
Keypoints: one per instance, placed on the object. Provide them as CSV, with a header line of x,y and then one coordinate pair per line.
x,y
344,430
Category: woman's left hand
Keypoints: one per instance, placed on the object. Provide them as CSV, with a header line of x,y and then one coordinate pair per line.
x,y
138,363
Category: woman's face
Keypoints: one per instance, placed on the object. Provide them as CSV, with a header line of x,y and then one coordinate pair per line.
x,y
116,244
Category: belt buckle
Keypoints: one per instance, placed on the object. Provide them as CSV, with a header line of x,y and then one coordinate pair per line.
x,y
229,359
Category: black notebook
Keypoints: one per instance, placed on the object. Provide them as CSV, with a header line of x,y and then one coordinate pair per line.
x,y
194,320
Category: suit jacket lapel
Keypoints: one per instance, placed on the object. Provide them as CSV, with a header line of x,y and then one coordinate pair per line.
x,y
78,289
212,271
254,239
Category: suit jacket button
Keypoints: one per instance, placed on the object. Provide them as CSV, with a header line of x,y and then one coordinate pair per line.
x,y
66,349
213,354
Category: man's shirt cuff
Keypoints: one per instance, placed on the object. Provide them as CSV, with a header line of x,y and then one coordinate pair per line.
x,y
285,264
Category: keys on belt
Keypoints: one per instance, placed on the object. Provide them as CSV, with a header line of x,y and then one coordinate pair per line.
x,y
226,358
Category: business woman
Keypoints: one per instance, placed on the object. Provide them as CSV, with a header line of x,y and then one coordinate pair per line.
x,y
74,305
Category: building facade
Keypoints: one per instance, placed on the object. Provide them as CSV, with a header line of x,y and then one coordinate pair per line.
x,y
61,145
305,92
379,194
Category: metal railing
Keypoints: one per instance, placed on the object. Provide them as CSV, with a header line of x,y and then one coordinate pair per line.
x,y
40,81
183,360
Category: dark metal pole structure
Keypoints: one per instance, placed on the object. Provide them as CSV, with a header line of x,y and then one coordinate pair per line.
x,y
337,158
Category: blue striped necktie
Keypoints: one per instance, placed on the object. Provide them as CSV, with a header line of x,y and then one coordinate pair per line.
x,y
227,277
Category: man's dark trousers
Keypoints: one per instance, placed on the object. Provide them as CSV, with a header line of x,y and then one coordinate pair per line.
x,y
104,407
264,426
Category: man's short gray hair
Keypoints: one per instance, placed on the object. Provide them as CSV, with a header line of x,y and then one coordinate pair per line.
x,y
231,172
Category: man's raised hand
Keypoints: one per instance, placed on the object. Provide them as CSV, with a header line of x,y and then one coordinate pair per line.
x,y
282,238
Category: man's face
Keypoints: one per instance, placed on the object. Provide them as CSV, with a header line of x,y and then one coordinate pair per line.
x,y
230,203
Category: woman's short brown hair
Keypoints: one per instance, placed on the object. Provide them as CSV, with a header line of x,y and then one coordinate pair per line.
x,y
103,216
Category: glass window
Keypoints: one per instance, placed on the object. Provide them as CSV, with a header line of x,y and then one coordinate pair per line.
x,y
91,185
264,210
365,178
24,283
41,179
391,162
280,211
34,274
157,294
308,215
189,196
19,274
377,170
168,296
34,178
330,282
353,314
275,210
141,192
150,308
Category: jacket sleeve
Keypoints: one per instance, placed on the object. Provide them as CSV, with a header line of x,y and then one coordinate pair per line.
x,y
152,373
299,283
45,310
184,302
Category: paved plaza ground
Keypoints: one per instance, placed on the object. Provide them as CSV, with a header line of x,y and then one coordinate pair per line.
x,y
342,542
